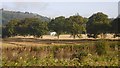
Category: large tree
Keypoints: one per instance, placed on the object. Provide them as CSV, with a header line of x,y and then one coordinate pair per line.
x,y
115,25
5,32
32,26
57,25
28,26
98,23
22,27
10,28
38,28
75,25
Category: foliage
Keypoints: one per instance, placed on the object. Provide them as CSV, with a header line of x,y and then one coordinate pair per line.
x,y
5,32
45,56
28,26
115,25
57,25
80,55
35,27
98,23
10,28
75,25
101,47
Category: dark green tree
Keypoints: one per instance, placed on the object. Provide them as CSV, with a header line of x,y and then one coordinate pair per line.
x,y
22,27
98,23
115,26
10,28
57,25
5,32
28,26
38,29
32,26
75,25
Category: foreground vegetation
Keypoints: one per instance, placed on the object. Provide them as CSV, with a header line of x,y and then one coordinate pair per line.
x,y
99,53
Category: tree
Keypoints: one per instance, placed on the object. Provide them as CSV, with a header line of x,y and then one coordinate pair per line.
x,y
75,25
22,26
28,26
115,26
10,27
98,23
32,26
38,29
57,25
5,32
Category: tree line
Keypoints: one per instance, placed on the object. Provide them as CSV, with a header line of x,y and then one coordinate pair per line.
x,y
96,24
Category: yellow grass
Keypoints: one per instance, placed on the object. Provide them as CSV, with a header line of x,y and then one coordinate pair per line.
x,y
65,36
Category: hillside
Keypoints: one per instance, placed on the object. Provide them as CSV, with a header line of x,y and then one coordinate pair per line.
x,y
9,15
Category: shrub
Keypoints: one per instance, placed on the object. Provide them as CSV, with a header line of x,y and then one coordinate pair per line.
x,y
80,55
114,46
101,47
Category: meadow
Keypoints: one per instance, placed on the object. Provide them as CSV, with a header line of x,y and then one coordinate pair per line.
x,y
23,52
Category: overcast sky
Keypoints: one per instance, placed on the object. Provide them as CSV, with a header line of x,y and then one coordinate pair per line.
x,y
54,9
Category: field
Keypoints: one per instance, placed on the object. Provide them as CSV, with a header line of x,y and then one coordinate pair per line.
x,y
59,52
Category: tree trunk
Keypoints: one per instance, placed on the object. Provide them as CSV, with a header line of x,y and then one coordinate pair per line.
x,y
58,36
95,36
74,36
41,37
79,36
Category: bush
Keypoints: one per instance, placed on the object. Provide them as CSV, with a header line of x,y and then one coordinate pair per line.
x,y
101,47
80,55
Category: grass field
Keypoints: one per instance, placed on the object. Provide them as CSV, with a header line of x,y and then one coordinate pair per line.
x,y
36,52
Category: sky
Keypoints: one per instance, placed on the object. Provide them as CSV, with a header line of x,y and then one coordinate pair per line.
x,y
55,9
59,0
118,8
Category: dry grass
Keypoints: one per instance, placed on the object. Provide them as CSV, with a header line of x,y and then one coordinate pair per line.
x,y
49,37
67,36
46,41
55,55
